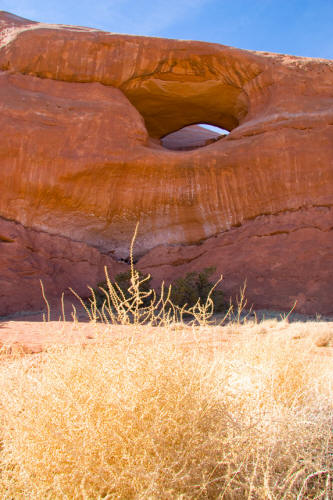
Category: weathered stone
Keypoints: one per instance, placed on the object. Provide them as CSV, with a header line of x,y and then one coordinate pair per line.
x,y
82,113
28,256
282,259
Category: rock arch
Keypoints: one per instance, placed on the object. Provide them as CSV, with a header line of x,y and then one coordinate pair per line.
x,y
81,160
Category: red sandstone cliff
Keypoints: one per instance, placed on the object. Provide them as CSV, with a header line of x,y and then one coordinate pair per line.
x,y
82,112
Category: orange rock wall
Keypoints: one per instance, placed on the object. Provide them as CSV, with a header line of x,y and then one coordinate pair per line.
x,y
81,115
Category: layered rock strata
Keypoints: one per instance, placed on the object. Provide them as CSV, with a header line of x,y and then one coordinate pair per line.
x,y
82,116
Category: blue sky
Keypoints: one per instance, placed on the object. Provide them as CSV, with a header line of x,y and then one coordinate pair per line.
x,y
300,27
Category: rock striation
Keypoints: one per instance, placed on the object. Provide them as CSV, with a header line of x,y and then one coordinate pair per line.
x,y
83,118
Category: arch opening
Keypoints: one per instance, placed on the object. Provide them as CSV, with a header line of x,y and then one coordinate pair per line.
x,y
193,137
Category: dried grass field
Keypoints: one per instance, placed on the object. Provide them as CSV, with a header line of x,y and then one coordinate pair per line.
x,y
241,411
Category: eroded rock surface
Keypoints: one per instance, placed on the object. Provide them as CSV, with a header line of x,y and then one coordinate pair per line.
x,y
28,256
82,113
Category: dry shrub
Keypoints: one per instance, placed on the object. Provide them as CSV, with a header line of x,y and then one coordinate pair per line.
x,y
323,336
153,419
130,300
324,339
319,333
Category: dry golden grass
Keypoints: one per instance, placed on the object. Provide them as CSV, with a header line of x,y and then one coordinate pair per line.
x,y
154,418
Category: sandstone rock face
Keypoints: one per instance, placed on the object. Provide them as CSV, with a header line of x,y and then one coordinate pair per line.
x,y
82,115
281,258
27,255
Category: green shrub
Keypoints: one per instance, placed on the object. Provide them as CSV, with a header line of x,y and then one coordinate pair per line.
x,y
194,286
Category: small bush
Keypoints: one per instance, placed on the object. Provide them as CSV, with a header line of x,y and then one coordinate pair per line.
x,y
123,283
130,299
196,286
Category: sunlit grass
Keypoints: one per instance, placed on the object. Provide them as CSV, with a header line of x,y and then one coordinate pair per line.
x,y
154,417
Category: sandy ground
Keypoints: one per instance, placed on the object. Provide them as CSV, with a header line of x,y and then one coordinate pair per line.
x,y
30,334
33,332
